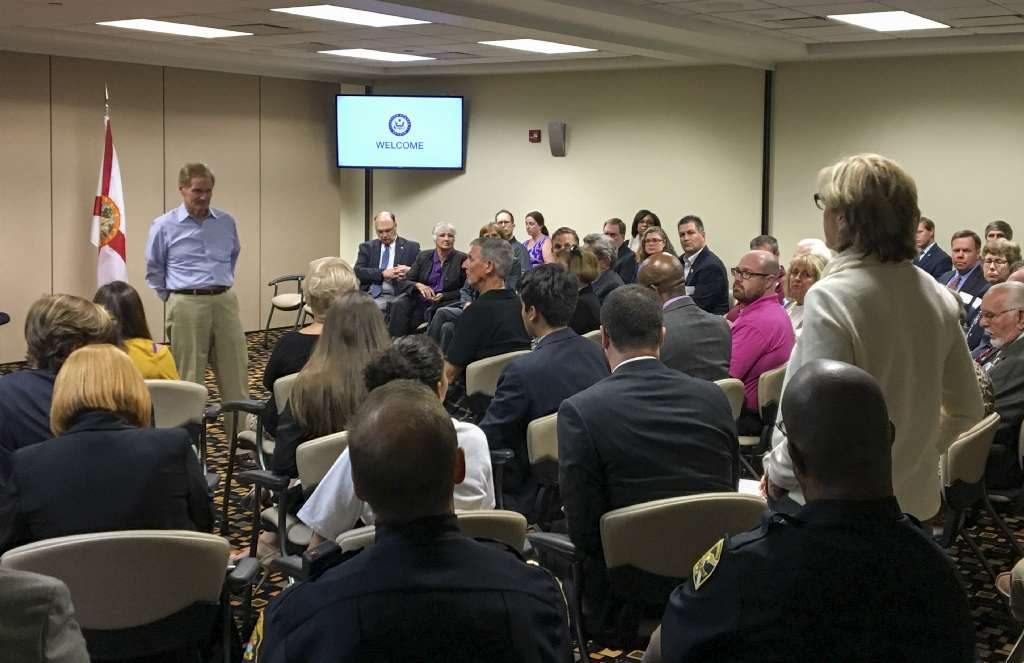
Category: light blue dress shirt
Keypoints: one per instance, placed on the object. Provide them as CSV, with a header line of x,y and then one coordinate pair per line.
x,y
183,253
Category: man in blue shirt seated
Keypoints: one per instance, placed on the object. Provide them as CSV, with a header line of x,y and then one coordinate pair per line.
x,y
849,577
422,591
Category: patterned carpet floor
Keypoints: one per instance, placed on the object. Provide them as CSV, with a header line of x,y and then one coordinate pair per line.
x,y
996,630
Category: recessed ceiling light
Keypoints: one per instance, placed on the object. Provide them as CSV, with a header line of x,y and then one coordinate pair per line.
x,y
183,29
369,54
889,21
346,15
537,46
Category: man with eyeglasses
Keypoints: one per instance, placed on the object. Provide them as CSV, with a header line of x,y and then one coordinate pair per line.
x,y
1002,316
507,227
762,336
382,263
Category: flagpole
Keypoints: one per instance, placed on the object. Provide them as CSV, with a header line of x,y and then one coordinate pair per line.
x,y
106,102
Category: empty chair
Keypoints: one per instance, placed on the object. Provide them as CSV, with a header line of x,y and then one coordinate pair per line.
x,y
542,447
177,403
769,393
733,389
285,301
482,379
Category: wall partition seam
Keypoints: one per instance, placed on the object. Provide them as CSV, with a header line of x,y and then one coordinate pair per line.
x,y
49,87
259,191
766,153
367,188
163,171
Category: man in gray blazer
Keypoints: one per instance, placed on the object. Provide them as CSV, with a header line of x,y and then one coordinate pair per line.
x,y
37,621
1002,315
696,342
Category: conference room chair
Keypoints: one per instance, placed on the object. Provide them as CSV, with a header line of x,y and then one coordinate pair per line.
x,y
594,336
1011,586
962,468
733,389
180,403
285,301
482,379
649,549
143,593
542,450
769,394
1013,497
507,527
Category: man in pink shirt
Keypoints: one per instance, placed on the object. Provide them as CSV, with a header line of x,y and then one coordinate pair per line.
x,y
762,336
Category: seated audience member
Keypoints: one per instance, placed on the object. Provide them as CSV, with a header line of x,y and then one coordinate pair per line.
x,y
642,220
37,620
325,279
771,245
122,302
423,590
804,271
967,278
55,326
696,342
562,240
705,275
506,225
849,577
999,259
106,469
604,250
382,263
998,230
762,336
930,256
493,324
587,315
537,244
615,230
532,386
653,241
813,246
1002,316
330,386
334,508
644,433
434,280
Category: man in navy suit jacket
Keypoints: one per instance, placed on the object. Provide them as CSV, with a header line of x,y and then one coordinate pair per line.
x,y
382,263
931,258
534,385
706,280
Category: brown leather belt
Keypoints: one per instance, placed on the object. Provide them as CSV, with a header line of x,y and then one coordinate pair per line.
x,y
220,289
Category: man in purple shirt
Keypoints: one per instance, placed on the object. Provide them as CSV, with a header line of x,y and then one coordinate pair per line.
x,y
434,279
762,336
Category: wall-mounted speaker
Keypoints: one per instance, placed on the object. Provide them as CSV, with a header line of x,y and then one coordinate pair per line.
x,y
556,138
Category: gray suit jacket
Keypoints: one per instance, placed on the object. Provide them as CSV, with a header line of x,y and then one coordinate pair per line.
x,y
37,621
697,343
1007,374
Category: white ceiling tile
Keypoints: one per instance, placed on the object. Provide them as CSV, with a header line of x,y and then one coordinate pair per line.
x,y
1002,29
718,6
990,21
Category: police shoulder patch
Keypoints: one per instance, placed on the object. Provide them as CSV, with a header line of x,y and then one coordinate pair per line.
x,y
707,564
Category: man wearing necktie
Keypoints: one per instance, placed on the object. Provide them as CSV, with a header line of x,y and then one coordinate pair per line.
x,y
931,258
382,264
966,277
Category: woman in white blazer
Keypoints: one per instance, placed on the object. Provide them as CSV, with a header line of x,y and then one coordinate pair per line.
x,y
874,309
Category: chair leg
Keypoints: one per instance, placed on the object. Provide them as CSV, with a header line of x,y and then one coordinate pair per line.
x,y
980,555
750,468
577,609
1001,524
256,521
498,472
299,314
266,330
228,475
951,527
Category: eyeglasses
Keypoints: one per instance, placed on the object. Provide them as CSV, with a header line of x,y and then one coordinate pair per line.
x,y
819,202
989,315
996,261
744,274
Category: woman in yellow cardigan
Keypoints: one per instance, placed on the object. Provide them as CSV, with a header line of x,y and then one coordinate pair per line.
x,y
153,360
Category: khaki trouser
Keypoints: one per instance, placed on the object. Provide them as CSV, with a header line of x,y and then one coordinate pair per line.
x,y
202,328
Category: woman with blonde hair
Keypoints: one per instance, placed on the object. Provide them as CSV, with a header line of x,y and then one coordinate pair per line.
x,y
875,310
804,271
330,386
586,317
106,469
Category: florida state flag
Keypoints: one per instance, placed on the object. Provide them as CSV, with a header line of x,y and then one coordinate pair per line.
x,y
108,216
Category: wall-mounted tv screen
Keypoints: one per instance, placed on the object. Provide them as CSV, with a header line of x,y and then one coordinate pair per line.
x,y
400,132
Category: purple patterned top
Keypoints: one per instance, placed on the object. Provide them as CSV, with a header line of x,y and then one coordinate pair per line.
x,y
537,252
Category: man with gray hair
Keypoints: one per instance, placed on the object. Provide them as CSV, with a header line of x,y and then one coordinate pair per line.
x,y
492,325
434,280
604,250
1002,316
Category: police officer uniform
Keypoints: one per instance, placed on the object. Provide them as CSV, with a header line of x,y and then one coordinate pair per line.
x,y
839,581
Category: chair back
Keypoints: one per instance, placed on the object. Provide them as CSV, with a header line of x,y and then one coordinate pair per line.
x,y
769,388
127,579
965,459
665,537
176,402
733,389
283,390
507,527
482,375
315,457
594,336
542,448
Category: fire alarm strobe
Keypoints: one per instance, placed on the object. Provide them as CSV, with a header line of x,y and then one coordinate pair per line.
x,y
534,135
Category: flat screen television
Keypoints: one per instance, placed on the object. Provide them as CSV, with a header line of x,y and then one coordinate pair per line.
x,y
377,131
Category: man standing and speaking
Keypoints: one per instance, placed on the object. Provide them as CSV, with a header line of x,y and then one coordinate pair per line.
x,y
190,262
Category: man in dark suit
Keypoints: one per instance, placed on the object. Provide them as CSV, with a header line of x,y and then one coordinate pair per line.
x,y
434,280
625,260
705,274
967,278
382,263
696,342
534,385
423,590
38,620
1002,316
645,433
931,258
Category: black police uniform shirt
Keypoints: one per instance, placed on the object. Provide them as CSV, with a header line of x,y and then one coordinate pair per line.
x,y
840,581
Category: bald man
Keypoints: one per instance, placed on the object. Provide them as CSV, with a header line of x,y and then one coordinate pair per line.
x,y
762,336
696,342
381,264
849,577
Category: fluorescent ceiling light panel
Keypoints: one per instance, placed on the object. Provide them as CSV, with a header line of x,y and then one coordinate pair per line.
x,y
182,29
346,15
368,54
538,46
889,21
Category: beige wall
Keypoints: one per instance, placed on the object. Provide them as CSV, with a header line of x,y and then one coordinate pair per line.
x,y
676,141
269,141
955,123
